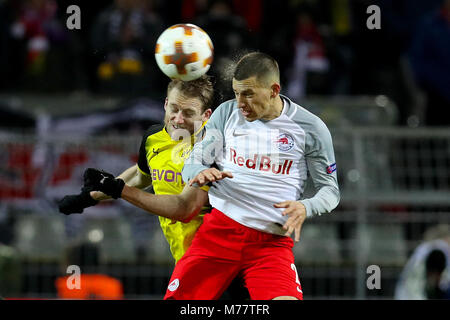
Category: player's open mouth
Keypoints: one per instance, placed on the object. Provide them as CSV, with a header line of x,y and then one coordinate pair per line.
x,y
245,113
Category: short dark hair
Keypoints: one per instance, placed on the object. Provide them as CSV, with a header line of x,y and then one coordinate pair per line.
x,y
201,88
257,64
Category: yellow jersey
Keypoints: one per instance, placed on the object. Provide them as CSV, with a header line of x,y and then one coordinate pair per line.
x,y
162,159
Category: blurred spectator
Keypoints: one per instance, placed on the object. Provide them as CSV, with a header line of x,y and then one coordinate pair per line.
x,y
230,37
37,46
427,273
435,264
378,65
123,39
190,9
310,57
93,284
338,29
251,11
430,61
276,32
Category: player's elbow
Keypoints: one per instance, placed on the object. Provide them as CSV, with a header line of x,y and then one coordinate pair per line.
x,y
186,210
337,194
336,197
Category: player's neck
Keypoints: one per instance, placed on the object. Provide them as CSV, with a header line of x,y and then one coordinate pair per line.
x,y
277,108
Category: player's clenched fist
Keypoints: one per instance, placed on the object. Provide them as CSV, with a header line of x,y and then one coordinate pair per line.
x,y
210,175
99,180
76,203
296,212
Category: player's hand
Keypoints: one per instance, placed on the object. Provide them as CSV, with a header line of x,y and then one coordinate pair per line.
x,y
297,215
76,203
210,175
98,180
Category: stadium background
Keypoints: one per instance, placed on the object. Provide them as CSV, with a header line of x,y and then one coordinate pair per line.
x,y
71,99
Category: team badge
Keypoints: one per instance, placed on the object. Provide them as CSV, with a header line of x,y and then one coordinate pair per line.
x,y
285,142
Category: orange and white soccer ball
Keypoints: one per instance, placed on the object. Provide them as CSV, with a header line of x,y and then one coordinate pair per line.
x,y
184,51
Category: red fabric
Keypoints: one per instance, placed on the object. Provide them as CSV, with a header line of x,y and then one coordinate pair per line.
x,y
223,249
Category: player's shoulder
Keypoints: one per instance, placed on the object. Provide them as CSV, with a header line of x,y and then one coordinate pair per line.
x,y
154,130
226,107
303,117
222,113
152,135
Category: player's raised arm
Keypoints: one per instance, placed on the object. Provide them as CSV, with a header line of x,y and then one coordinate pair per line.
x,y
136,176
88,197
177,207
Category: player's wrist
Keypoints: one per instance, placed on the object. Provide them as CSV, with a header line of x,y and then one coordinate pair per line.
x,y
307,206
114,187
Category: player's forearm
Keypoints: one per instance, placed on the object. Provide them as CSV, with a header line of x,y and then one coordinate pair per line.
x,y
168,206
325,200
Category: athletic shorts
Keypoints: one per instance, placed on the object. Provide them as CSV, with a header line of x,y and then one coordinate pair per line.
x,y
223,249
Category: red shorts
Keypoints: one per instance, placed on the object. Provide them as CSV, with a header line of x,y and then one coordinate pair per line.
x,y
223,249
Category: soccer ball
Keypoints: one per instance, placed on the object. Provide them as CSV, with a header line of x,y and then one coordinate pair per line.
x,y
184,51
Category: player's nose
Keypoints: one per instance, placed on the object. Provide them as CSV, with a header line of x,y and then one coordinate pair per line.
x,y
241,103
178,117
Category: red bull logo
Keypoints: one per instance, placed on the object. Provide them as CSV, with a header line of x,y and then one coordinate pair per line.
x,y
263,163
285,142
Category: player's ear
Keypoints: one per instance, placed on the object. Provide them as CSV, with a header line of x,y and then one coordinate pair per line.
x,y
275,90
206,114
165,104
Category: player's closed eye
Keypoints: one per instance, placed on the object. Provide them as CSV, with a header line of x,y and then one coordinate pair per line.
x,y
245,94
189,113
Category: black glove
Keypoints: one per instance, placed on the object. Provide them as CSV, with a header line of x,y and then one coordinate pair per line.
x,y
103,181
76,203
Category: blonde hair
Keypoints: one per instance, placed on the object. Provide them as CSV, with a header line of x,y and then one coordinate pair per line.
x,y
201,88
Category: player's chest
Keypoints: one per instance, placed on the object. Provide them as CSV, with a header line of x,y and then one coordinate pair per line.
x,y
277,143
166,161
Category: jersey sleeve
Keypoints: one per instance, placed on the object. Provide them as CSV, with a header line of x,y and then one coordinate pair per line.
x,y
321,164
142,162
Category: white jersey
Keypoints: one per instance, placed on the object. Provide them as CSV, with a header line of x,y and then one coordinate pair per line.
x,y
270,161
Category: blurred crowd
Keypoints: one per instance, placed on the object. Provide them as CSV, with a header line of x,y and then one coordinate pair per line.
x,y
324,47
